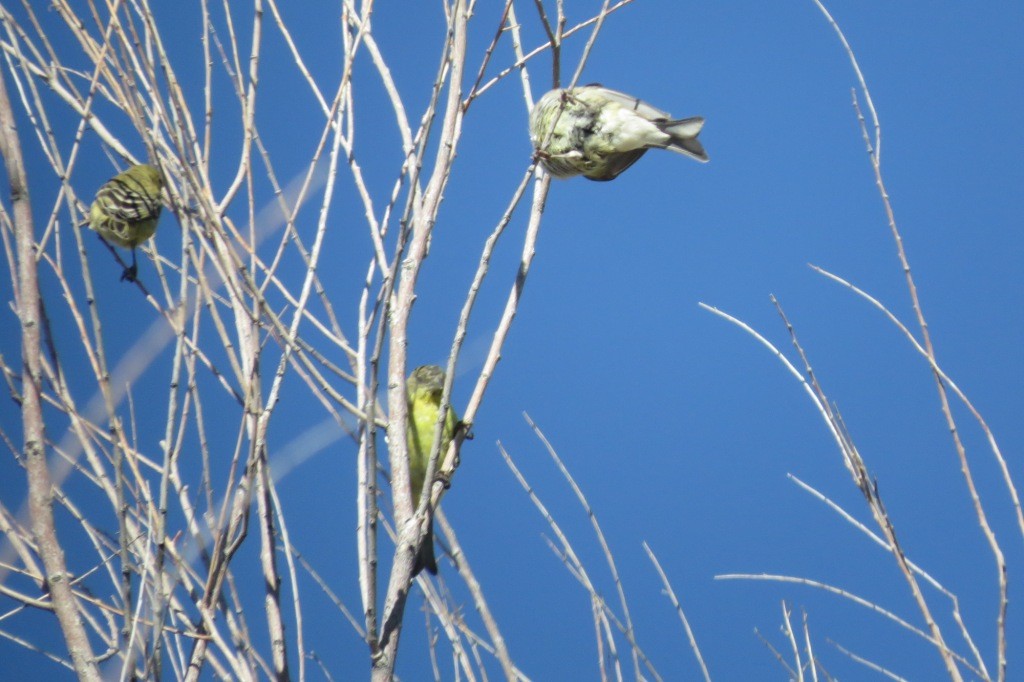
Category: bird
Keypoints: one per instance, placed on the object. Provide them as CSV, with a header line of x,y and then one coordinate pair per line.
x,y
127,208
598,133
423,395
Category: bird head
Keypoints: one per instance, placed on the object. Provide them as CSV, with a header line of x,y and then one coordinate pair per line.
x,y
425,380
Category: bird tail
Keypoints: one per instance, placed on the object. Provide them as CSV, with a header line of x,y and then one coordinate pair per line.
x,y
425,555
684,140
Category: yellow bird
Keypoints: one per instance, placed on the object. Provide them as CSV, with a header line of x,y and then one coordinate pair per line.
x,y
127,208
598,133
423,393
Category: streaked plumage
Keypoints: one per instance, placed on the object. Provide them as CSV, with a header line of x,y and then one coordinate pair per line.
x,y
423,393
598,133
127,208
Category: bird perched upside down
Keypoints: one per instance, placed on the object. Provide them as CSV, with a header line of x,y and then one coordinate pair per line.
x,y
598,133
127,209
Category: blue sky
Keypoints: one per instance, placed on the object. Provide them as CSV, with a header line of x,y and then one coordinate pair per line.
x,y
680,428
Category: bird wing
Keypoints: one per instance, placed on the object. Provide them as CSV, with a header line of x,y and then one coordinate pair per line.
x,y
125,201
614,165
628,102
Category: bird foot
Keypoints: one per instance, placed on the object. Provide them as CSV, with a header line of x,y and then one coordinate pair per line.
x,y
444,478
130,273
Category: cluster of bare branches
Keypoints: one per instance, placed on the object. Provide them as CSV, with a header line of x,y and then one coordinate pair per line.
x,y
966,656
244,316
161,476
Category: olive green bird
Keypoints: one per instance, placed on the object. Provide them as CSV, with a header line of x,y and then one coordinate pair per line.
x,y
423,393
127,209
598,133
